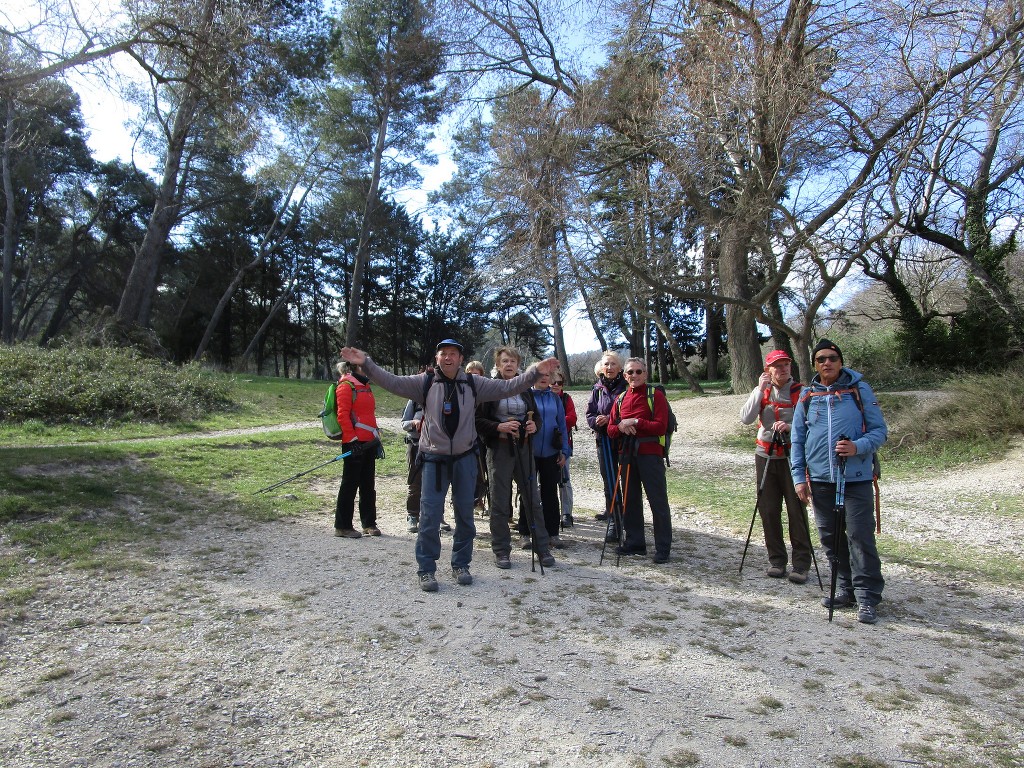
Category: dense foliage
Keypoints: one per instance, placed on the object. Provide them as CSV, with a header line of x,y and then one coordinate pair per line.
x,y
92,386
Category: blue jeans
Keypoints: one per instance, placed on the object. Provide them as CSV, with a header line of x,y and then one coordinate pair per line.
x,y
859,569
437,476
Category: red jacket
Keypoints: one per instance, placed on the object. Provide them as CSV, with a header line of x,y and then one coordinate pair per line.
x,y
634,406
570,415
356,410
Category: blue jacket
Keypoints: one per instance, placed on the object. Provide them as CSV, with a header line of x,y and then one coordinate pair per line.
x,y
552,417
826,413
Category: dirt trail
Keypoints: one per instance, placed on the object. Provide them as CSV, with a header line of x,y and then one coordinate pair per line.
x,y
277,644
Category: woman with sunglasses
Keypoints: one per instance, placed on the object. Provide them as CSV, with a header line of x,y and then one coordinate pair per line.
x,y
837,428
565,484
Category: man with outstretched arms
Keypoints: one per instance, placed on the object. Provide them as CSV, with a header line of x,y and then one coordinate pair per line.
x,y
447,446
837,427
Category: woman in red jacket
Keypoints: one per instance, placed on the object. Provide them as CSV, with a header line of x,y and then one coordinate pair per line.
x,y
358,422
639,419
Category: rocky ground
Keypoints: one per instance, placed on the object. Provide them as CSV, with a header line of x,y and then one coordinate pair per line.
x,y
246,644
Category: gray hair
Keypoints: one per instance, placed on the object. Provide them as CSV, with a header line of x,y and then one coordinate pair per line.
x,y
636,360
607,354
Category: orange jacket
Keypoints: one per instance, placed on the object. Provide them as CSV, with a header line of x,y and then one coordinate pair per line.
x,y
356,410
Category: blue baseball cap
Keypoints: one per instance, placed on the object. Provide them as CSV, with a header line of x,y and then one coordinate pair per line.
x,y
451,343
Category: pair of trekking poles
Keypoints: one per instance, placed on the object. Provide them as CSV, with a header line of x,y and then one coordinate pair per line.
x,y
838,525
778,443
517,448
617,491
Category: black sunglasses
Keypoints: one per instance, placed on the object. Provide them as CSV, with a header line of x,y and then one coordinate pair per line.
x,y
826,358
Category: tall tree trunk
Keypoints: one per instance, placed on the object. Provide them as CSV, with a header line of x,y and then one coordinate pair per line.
x,y
10,233
353,331
744,350
137,298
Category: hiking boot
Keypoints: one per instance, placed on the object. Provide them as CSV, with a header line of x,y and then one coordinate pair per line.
x,y
866,614
371,530
444,525
347,533
503,561
843,600
798,577
557,543
602,516
567,521
526,542
776,572
612,537
659,559
463,576
428,582
414,524
624,551
547,560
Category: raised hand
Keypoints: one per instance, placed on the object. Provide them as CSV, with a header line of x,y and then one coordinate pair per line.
x,y
353,355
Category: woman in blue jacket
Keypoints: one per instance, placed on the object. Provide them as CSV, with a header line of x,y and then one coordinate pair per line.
x,y
837,428
550,449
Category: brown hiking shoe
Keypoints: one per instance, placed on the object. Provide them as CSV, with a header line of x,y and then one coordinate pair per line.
x,y
347,533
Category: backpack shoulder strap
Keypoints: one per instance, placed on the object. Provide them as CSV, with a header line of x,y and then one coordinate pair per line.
x,y
427,384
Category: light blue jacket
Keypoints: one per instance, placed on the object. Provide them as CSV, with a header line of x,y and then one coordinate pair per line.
x,y
822,416
552,417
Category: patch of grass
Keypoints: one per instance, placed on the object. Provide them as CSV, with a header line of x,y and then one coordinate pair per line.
x,y
892,701
681,758
735,740
939,557
61,716
57,673
857,760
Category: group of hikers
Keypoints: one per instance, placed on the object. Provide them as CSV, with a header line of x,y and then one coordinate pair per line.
x,y
477,436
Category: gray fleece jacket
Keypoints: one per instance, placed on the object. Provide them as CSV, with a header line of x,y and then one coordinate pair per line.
x,y
434,440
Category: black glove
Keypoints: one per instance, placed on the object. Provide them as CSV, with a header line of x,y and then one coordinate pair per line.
x,y
373,448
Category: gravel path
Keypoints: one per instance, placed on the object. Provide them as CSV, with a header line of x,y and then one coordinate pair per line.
x,y
245,644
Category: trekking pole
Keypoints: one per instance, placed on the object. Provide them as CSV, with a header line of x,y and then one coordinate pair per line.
x,y
629,450
612,517
605,458
528,499
807,521
839,531
757,502
339,457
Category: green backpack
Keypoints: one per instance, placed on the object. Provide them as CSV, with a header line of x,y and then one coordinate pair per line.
x,y
329,415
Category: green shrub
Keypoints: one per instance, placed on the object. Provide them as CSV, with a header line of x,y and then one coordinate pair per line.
x,y
90,385
977,408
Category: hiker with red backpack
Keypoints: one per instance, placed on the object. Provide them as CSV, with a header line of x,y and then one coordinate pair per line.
x,y
357,418
837,428
639,421
772,403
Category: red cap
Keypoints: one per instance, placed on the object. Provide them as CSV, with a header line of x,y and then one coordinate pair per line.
x,y
774,357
